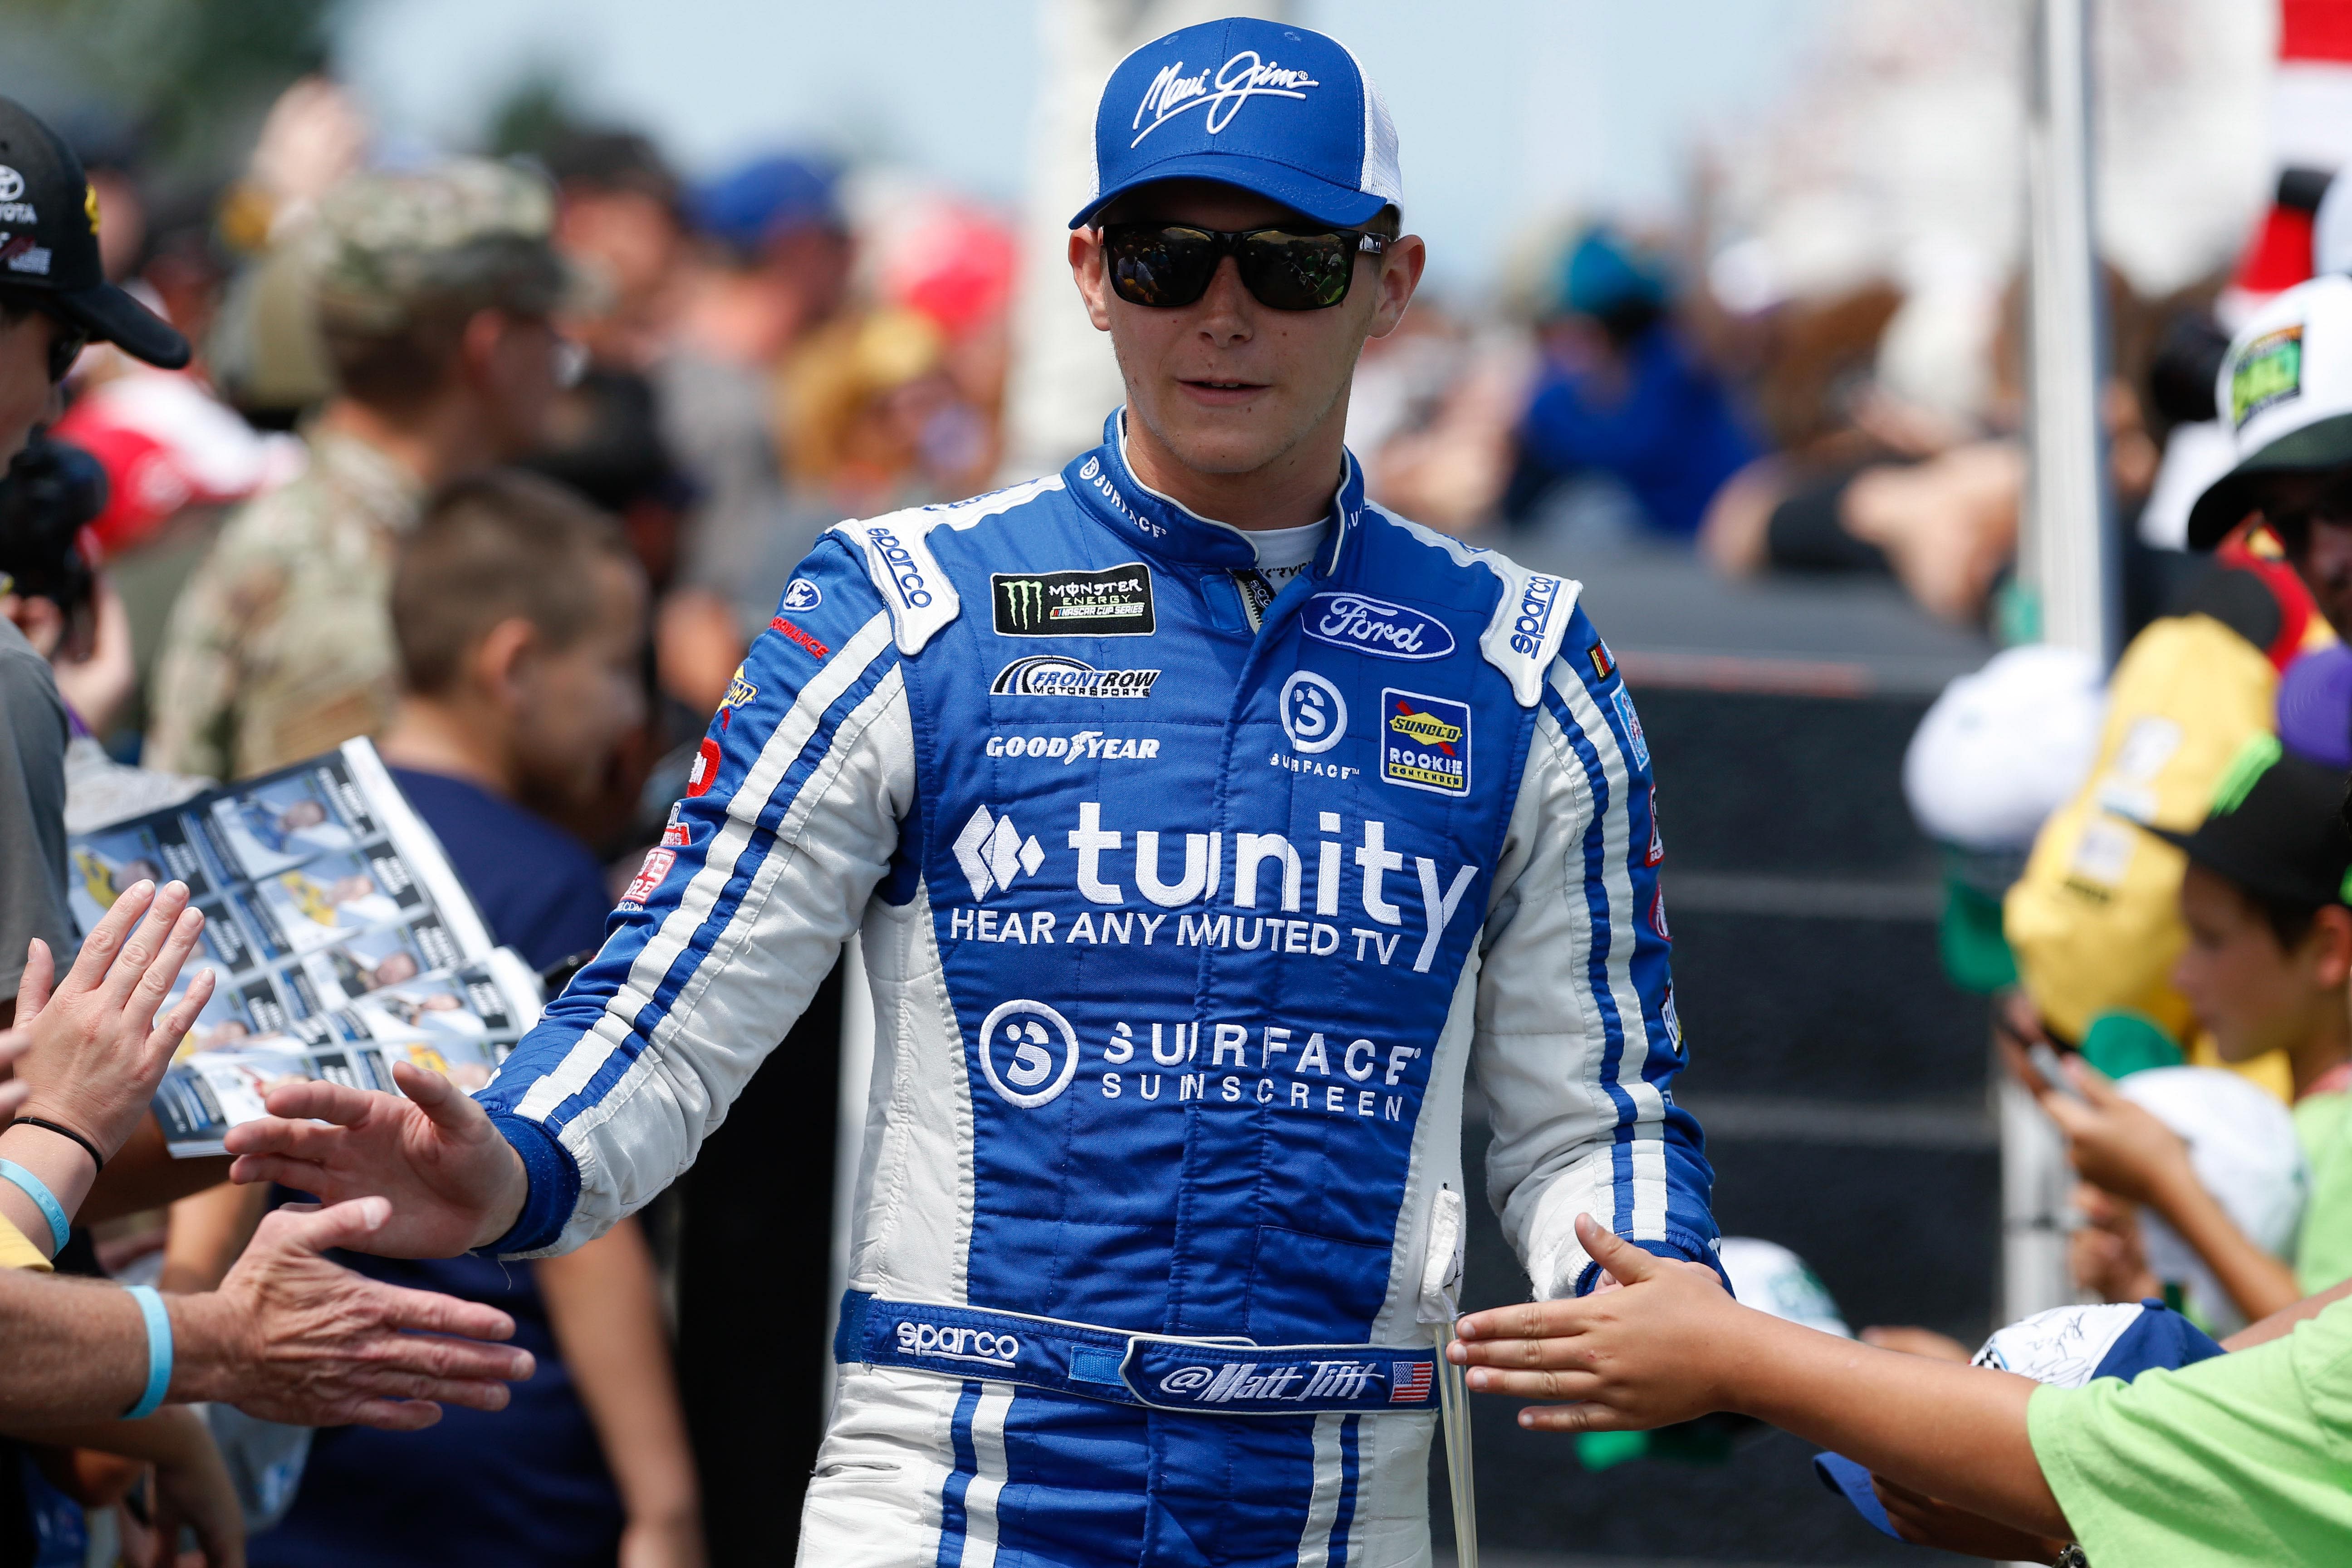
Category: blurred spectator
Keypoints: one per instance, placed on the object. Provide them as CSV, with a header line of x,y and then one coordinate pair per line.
x,y
264,350
33,734
71,616
617,218
2095,921
774,266
434,295
604,440
2266,969
1624,397
519,616
1431,414
45,318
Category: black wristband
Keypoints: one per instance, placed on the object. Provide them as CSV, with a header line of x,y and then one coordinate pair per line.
x,y
87,1147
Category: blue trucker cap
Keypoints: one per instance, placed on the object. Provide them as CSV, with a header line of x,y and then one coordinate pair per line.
x,y
2065,1347
1282,112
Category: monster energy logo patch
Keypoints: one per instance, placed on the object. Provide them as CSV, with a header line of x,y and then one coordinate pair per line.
x,y
2269,372
1115,602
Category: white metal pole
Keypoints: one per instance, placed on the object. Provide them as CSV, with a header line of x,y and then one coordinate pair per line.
x,y
2066,554
2067,549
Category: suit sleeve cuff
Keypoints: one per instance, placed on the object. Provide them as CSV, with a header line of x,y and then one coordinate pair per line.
x,y
553,1192
1679,1244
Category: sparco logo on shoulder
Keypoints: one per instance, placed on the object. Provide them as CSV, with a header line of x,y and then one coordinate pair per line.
x,y
1376,627
1536,603
905,575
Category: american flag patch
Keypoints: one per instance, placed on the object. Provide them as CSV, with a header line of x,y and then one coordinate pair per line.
x,y
1409,1381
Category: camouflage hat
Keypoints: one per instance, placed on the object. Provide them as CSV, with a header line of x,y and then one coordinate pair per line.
x,y
471,233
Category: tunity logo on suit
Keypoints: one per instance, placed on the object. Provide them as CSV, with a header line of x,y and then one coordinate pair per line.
x,y
993,852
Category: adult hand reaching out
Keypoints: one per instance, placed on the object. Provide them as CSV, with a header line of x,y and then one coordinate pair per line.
x,y
291,1337
454,1183
93,1048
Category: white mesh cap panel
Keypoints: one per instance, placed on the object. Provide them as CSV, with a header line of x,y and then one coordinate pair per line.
x,y
1382,177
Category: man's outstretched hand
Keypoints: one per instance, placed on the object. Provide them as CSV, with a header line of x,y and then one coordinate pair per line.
x,y
290,1336
454,1183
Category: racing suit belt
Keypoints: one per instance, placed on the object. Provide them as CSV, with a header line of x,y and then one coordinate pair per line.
x,y
1158,1371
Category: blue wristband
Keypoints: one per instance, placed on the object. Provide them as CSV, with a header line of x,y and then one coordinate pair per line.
x,y
60,1227
159,1352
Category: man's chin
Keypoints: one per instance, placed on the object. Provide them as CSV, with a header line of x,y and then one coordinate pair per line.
x,y
1242,444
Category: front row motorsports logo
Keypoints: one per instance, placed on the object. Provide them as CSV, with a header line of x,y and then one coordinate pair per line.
x,y
1029,1033
993,852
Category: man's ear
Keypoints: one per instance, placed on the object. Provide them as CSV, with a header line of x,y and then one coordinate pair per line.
x,y
1087,271
1400,269
2332,935
478,345
502,660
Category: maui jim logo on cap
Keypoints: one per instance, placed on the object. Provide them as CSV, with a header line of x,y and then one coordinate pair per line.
x,y
2269,372
1239,79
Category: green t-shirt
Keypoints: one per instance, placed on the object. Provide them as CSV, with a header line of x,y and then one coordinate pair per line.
x,y
2238,1459
2322,1243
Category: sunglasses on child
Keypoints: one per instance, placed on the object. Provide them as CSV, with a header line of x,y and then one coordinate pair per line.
x,y
1167,265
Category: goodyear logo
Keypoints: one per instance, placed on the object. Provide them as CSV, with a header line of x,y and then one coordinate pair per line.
x,y
1425,742
2269,372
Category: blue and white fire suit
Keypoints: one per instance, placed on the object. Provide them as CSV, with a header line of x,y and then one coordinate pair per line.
x,y
1184,912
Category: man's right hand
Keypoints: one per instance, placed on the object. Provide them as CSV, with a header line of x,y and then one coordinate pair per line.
x,y
291,1337
454,1183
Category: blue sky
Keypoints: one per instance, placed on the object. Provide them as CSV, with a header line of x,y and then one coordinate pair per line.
x,y
1505,108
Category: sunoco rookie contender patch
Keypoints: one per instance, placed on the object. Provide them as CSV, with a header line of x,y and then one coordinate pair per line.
x,y
1424,742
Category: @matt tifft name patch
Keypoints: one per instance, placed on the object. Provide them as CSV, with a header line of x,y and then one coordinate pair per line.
x,y
1424,742
1115,602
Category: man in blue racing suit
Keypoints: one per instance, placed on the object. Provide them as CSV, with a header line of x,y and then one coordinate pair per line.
x,y
1204,822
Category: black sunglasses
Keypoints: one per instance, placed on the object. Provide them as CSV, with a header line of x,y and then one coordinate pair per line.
x,y
66,341
1165,265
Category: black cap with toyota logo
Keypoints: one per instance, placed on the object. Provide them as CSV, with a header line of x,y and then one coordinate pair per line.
x,y
49,244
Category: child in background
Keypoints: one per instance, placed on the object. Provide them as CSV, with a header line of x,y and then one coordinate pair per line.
x,y
521,619
2269,954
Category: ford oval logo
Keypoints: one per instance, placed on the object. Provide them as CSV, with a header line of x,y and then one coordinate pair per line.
x,y
1372,625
